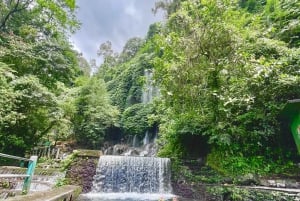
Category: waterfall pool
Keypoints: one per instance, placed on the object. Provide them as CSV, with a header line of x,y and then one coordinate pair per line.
x,y
126,197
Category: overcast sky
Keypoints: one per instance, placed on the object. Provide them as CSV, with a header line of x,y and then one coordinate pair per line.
x,y
113,20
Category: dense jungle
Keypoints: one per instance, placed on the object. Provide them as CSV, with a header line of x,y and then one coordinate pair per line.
x,y
223,70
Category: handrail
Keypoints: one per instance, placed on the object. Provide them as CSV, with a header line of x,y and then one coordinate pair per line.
x,y
29,173
14,157
14,176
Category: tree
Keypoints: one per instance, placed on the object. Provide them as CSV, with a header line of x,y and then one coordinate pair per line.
x,y
168,6
49,16
224,76
28,111
94,114
33,39
36,58
50,60
84,65
130,49
135,119
110,57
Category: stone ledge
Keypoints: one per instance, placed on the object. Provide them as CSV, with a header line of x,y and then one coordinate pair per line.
x,y
288,190
64,193
88,153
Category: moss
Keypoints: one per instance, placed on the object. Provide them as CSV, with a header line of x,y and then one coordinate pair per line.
x,y
88,153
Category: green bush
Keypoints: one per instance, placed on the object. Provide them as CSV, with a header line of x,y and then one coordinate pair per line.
x,y
237,165
135,119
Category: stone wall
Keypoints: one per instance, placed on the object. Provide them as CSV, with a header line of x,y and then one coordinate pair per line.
x,y
83,168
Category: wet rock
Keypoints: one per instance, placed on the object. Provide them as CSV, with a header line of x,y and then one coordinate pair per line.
x,y
280,184
120,149
182,190
227,180
109,151
248,179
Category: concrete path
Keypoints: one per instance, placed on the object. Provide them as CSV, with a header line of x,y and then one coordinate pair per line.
x,y
68,193
288,190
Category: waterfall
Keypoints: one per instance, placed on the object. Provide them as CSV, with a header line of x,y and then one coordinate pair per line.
x,y
146,139
134,176
120,174
135,141
149,90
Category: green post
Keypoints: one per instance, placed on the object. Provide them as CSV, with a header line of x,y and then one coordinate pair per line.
x,y
295,128
29,172
291,115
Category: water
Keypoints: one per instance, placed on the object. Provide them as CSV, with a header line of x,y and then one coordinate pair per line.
x,y
149,90
125,197
117,174
131,179
146,139
135,141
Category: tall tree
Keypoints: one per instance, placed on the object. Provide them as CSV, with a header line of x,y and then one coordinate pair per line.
x,y
36,58
28,111
225,75
94,114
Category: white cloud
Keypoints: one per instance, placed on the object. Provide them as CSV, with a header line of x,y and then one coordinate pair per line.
x,y
131,10
113,20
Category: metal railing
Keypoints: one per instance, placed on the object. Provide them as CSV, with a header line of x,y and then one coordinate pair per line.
x,y
29,173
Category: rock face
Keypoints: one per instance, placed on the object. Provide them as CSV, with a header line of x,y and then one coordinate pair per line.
x,y
82,169
148,150
248,180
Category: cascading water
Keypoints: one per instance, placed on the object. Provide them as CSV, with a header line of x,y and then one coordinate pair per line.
x,y
135,142
132,174
149,90
131,178
146,139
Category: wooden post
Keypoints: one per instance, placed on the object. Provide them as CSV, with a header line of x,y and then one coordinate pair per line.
x,y
57,153
49,152
29,172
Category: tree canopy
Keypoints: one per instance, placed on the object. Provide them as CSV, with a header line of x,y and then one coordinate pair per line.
x,y
42,85
224,70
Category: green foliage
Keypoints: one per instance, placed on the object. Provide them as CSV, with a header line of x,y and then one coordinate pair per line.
x,y
225,75
124,77
181,136
62,182
50,60
130,49
252,6
236,164
67,162
125,80
94,114
225,70
282,20
37,69
28,111
135,119
55,16
243,194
